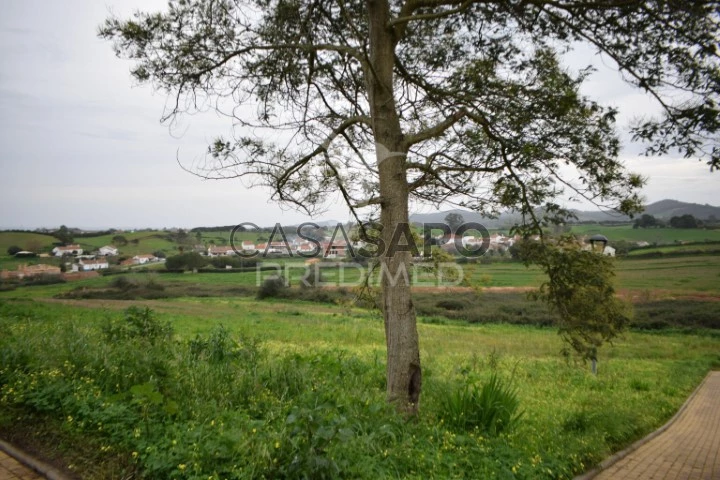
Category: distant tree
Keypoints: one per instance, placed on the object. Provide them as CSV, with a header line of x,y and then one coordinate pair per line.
x,y
454,220
186,261
622,247
309,232
198,237
518,248
119,240
160,254
12,250
684,221
647,221
64,235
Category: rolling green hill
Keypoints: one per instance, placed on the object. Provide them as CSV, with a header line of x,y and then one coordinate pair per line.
x,y
25,240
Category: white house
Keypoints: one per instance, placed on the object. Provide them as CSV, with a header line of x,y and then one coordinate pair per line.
x,y
223,250
67,250
96,264
609,251
248,245
143,259
108,250
306,248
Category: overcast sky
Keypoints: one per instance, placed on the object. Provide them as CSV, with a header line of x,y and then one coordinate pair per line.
x,y
81,145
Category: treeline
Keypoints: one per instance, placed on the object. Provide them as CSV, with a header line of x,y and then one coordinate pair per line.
x,y
680,221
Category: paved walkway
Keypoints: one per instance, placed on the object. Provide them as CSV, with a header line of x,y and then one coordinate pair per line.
x,y
11,469
689,449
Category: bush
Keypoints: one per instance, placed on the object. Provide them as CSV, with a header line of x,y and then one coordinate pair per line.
x,y
234,262
137,323
186,261
271,288
451,304
12,250
493,409
218,347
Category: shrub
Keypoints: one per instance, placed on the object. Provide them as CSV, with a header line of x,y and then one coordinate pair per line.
x,y
492,409
186,261
137,323
451,304
12,250
44,279
271,288
124,283
234,262
219,347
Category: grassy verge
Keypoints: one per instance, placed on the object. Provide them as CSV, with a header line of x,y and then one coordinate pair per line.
x,y
289,389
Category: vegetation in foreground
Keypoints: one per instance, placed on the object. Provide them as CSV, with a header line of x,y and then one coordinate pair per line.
x,y
296,390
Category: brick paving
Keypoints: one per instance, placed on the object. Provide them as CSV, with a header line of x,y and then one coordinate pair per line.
x,y
11,469
688,450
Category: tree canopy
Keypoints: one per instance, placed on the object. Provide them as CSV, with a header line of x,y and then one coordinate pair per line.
x,y
454,220
461,101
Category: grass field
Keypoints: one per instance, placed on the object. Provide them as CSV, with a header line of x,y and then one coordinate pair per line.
x,y
712,248
660,236
24,240
147,242
213,383
649,276
295,390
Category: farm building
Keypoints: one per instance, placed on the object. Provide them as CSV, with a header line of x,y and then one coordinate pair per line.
x,y
67,250
87,265
108,250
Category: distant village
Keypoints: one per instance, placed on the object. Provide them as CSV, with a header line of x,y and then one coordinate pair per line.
x,y
77,263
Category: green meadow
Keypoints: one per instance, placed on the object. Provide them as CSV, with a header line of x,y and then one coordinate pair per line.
x,y
191,376
659,236
241,388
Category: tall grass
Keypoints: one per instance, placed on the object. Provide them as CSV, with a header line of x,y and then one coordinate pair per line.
x,y
294,390
492,408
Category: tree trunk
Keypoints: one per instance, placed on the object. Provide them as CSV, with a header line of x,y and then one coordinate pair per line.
x,y
403,350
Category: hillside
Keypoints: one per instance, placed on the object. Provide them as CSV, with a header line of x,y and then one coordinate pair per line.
x,y
667,209
25,240
664,209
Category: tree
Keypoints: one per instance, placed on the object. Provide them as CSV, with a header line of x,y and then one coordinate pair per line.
x,y
463,102
579,290
186,261
454,220
119,240
64,235
684,221
647,221
13,249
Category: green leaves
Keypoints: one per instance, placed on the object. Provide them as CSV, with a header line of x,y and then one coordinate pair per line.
x,y
492,409
579,291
